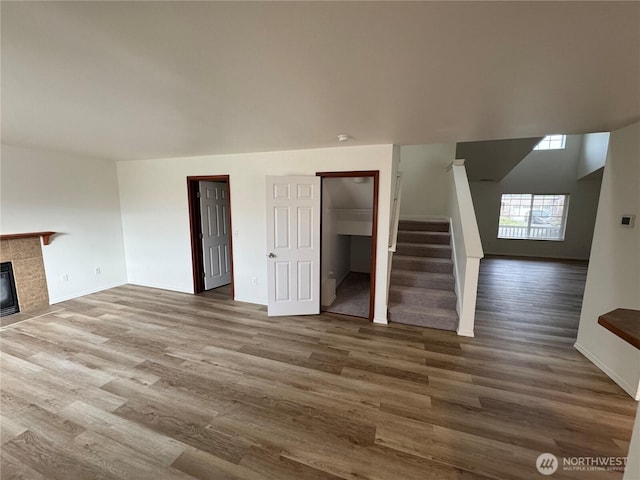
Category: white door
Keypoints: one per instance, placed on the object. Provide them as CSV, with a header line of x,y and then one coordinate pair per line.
x,y
214,214
293,245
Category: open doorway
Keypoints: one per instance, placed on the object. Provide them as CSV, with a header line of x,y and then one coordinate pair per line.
x,y
348,233
211,238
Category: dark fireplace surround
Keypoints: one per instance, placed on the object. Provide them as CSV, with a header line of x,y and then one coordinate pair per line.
x,y
8,295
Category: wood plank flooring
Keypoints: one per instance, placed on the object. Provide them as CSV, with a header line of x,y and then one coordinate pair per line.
x,y
136,383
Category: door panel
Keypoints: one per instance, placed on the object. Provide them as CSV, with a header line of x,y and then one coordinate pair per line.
x,y
305,270
293,245
214,209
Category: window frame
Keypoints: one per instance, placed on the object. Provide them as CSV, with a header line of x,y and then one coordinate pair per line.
x,y
563,218
547,141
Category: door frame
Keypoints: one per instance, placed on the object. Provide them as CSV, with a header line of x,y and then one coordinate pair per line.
x,y
197,263
375,174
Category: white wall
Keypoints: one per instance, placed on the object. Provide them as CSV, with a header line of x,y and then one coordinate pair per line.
x,y
552,171
75,196
345,193
360,254
593,153
336,249
425,181
613,280
155,219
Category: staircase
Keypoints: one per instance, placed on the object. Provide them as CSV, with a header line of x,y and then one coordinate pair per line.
x,y
422,284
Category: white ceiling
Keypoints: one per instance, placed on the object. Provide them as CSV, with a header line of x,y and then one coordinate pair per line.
x,y
131,80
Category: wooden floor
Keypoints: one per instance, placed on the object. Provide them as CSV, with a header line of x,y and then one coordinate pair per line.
x,y
136,383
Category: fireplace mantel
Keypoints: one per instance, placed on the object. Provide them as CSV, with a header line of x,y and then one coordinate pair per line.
x,y
46,236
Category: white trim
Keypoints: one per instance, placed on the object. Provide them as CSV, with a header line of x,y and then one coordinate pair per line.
x,y
458,162
424,218
631,390
240,299
465,333
381,321
53,301
563,218
545,143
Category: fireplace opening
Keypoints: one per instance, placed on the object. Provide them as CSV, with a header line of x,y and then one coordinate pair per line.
x,y
8,296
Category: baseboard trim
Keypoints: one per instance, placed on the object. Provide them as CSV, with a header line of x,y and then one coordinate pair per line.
x,y
252,302
631,390
53,301
381,321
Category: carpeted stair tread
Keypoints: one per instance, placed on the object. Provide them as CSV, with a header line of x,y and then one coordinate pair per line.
x,y
423,264
443,319
430,226
417,236
422,297
422,290
411,278
423,250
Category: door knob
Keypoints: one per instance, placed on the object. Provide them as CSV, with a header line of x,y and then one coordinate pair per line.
x,y
271,255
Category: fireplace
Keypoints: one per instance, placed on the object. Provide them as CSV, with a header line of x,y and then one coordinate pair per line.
x,y
24,253
8,295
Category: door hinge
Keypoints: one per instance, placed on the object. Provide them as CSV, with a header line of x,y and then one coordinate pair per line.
x,y
201,235
204,274
198,195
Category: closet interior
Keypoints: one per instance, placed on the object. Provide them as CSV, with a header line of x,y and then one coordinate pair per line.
x,y
347,225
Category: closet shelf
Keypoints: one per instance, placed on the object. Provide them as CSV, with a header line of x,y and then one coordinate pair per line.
x,y
352,221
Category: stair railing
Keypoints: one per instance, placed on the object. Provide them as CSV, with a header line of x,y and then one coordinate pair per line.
x,y
393,230
467,246
395,214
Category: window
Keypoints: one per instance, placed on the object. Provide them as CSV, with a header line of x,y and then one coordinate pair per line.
x,y
552,142
527,216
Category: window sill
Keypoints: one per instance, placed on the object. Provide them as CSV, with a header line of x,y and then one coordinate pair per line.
x,y
533,239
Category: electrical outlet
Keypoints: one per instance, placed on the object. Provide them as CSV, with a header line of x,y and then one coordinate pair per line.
x,y
628,221
254,280
65,277
98,271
